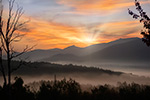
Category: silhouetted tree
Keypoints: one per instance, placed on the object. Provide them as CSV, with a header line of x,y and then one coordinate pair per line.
x,y
144,18
19,92
71,90
59,90
9,33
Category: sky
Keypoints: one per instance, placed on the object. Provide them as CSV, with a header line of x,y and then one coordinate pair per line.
x,y
62,23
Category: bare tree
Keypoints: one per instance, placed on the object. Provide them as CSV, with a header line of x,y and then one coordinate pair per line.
x,y
9,33
143,18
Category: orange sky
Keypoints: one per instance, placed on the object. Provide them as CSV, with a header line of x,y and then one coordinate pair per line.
x,y
62,23
55,35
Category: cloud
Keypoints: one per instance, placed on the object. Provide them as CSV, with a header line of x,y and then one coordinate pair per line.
x,y
97,6
91,5
52,34
56,35
114,30
69,27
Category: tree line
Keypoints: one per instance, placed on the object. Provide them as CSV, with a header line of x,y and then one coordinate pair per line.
x,y
71,90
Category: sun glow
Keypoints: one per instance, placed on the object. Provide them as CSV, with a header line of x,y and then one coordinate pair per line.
x,y
89,40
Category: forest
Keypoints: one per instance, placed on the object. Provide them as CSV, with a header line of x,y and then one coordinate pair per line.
x,y
72,90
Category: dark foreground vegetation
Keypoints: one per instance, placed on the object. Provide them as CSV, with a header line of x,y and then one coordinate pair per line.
x,y
71,90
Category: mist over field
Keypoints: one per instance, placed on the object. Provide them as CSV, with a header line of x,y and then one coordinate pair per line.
x,y
89,74
141,69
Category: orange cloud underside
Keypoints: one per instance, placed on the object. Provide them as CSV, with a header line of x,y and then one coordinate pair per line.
x,y
103,6
115,30
53,35
91,4
48,35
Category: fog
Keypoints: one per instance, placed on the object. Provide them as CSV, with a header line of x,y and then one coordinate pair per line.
x,y
141,69
137,73
92,79
89,78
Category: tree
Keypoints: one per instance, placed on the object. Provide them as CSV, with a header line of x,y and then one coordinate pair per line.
x,y
143,18
9,33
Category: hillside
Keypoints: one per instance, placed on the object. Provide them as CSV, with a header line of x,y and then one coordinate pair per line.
x,y
40,68
85,75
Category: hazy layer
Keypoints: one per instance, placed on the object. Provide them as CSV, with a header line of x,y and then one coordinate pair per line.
x,y
141,69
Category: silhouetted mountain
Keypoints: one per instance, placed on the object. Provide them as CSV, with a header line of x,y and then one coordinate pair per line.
x,y
122,50
37,55
97,47
64,57
128,50
70,53
73,50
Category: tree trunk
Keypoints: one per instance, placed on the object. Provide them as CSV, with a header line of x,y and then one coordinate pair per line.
x,y
2,68
3,73
8,63
9,76
9,68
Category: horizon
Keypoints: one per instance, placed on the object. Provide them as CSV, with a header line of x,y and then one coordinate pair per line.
x,y
88,45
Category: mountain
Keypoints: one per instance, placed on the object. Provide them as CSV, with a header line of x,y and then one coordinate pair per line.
x,y
131,51
73,50
97,47
37,55
64,57
128,50
121,50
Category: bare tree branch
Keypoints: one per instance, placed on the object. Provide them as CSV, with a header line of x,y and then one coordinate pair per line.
x,y
11,4
1,21
3,44
24,50
15,38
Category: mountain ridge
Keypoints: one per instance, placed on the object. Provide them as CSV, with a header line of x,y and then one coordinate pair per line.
x,y
132,49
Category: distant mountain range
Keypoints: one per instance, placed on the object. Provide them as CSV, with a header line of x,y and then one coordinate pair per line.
x,y
122,50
